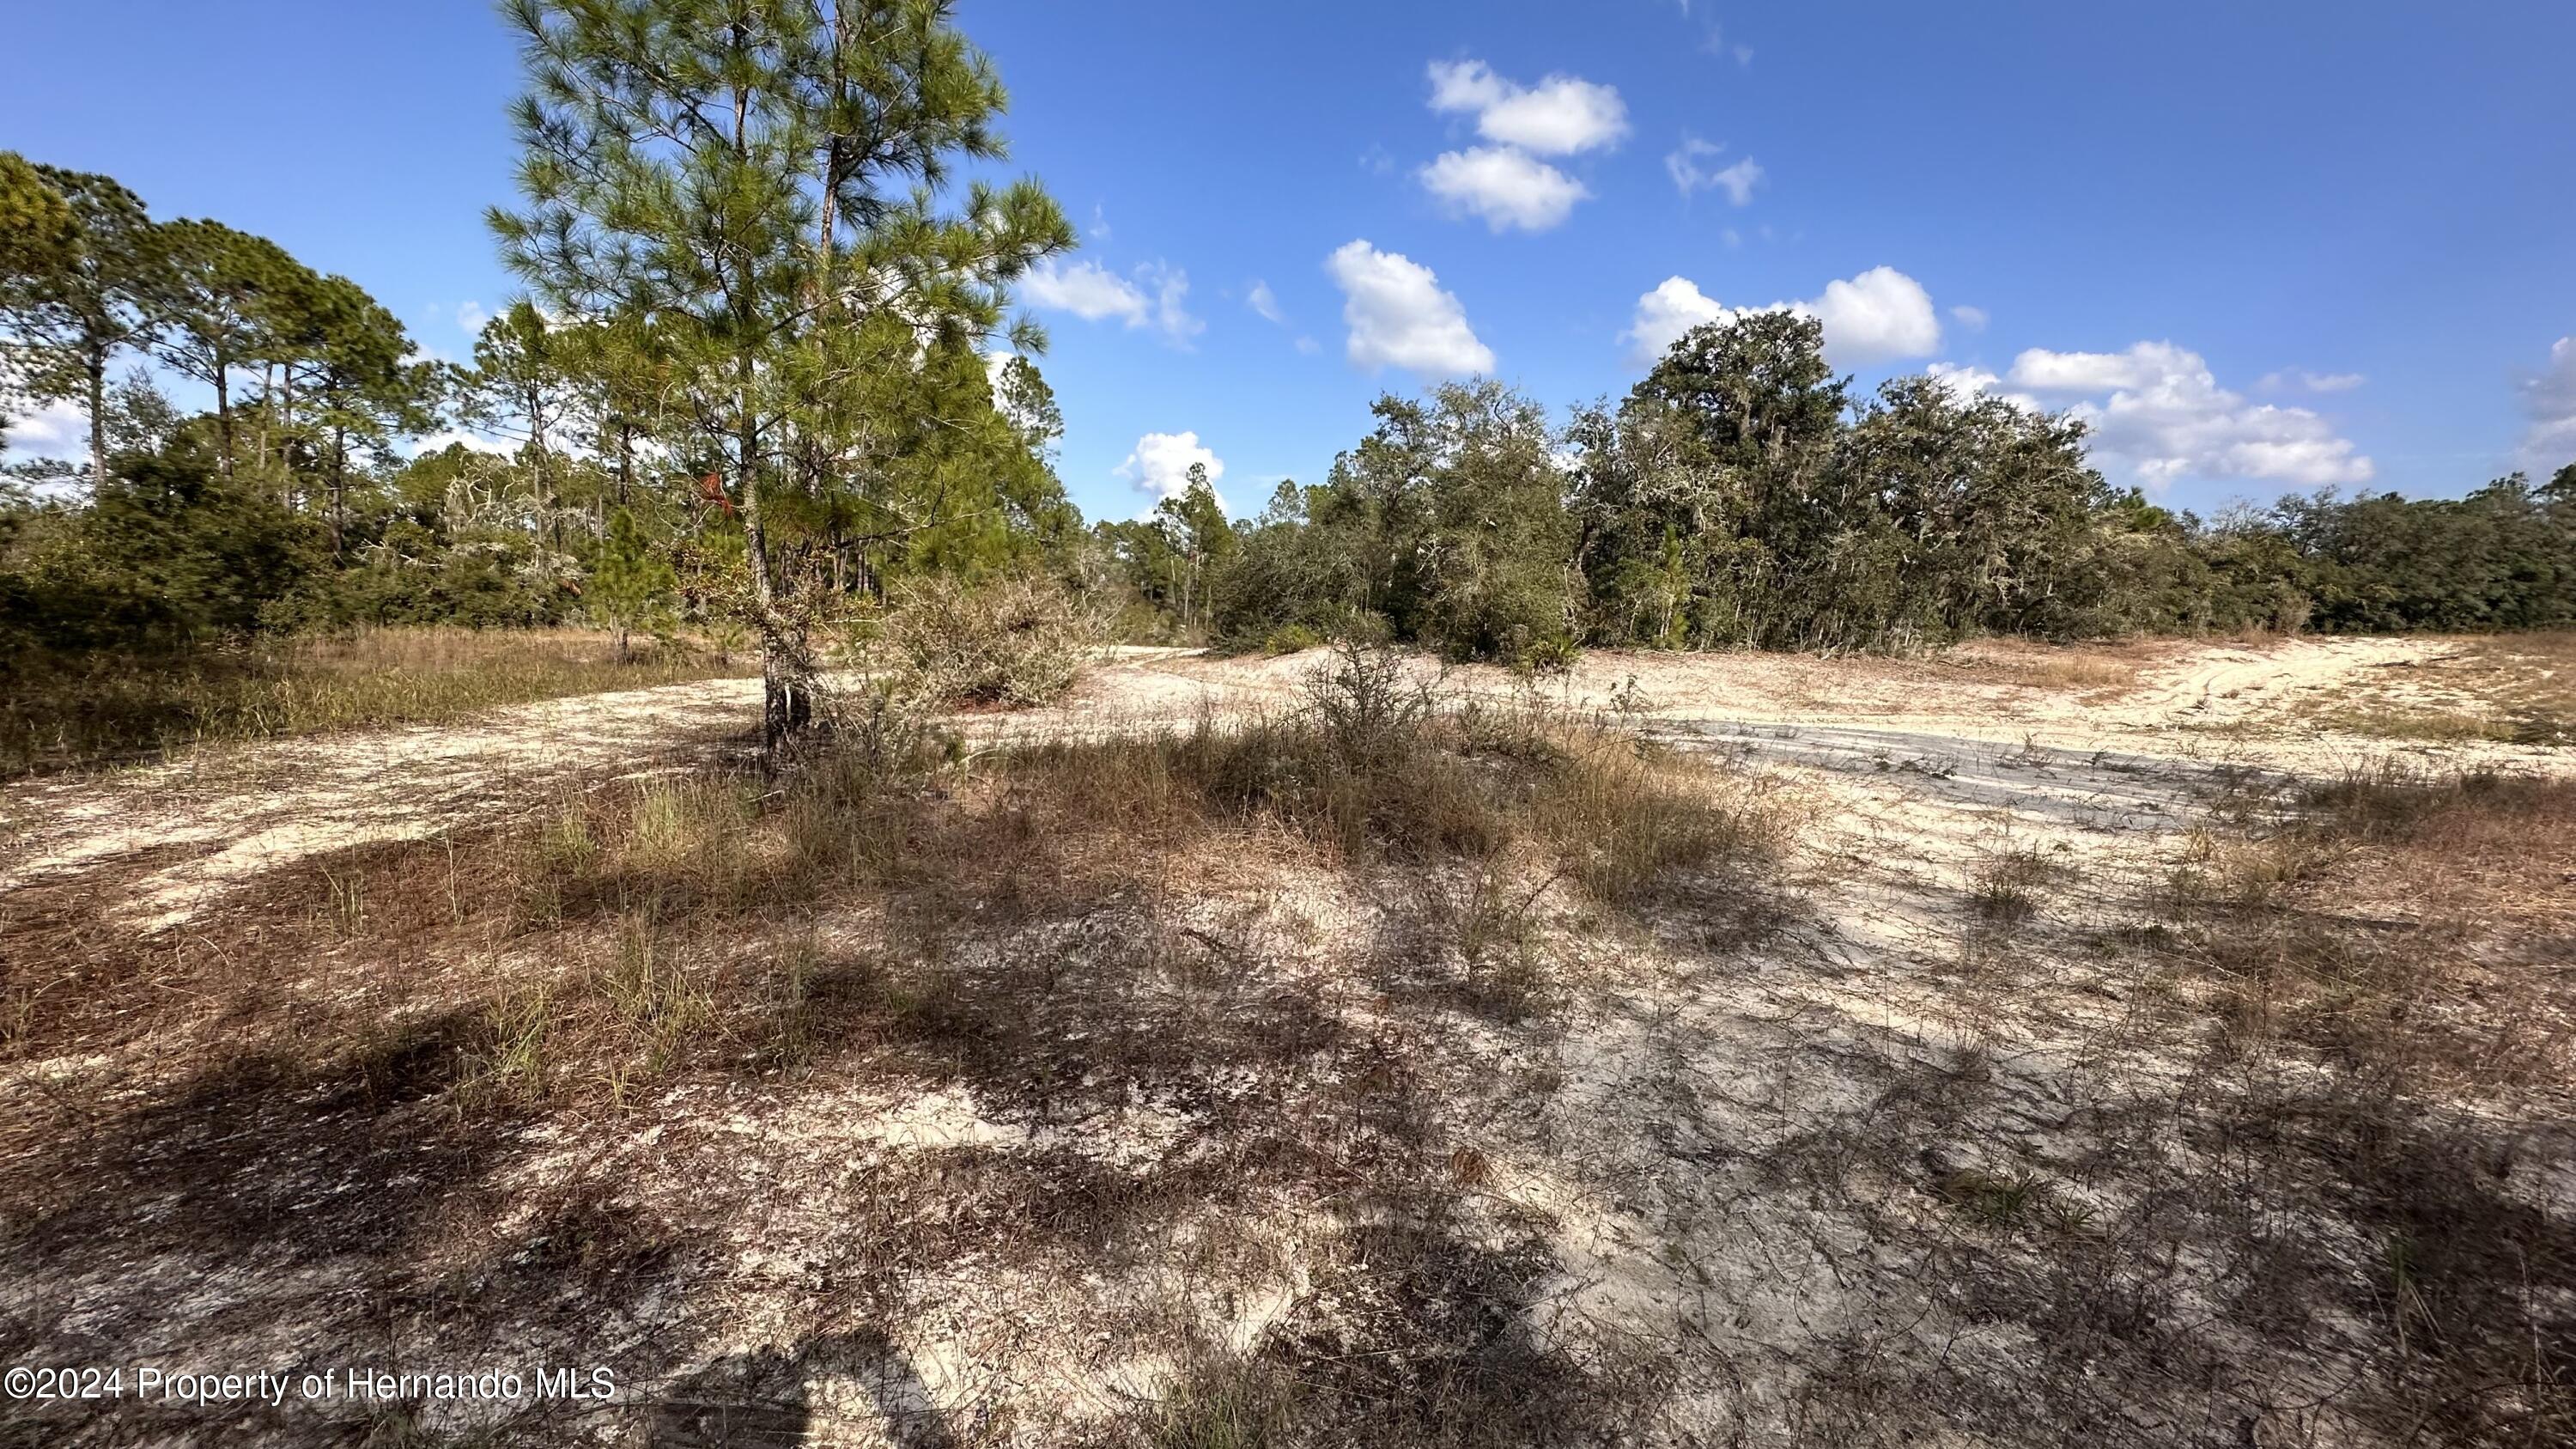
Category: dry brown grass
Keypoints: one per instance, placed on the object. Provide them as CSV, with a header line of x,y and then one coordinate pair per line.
x,y
502,1089
2432,724
2387,964
2072,670
102,710
2005,887
2415,925
2285,1166
2499,688
2090,668
2532,676
1263,1014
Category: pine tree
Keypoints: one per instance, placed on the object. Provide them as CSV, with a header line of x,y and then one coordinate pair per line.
x,y
632,584
522,386
221,290
760,179
82,273
350,359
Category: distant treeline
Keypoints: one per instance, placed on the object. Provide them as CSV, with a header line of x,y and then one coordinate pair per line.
x,y
1742,496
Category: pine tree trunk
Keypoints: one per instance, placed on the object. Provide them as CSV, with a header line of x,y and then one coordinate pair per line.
x,y
268,406
97,423
783,706
339,480
545,478
224,416
286,441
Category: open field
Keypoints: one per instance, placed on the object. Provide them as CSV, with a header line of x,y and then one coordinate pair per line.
x,y
108,710
2127,1045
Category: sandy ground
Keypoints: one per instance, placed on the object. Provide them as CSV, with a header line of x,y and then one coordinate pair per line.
x,y
1703,1157
223,814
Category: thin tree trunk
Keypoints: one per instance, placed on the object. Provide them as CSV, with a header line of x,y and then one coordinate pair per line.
x,y
268,400
286,440
339,481
97,423
545,481
783,707
775,704
829,222
224,415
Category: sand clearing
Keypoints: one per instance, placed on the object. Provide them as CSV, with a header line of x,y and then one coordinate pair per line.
x,y
222,814
1746,1172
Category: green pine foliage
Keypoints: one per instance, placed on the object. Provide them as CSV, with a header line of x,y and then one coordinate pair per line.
x,y
632,585
168,555
787,245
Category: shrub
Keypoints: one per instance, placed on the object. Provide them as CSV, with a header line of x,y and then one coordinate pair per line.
x,y
1556,654
1290,639
2004,888
1368,705
1012,642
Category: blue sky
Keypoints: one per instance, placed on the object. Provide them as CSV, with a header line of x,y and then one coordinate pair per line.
x,y
2263,246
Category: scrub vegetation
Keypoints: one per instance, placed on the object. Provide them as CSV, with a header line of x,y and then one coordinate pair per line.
x,y
1752,912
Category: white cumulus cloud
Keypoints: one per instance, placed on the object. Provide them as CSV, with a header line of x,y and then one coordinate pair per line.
x,y
2159,410
1972,318
1088,290
1399,315
2138,367
56,430
1559,116
1262,302
1675,306
1878,316
1964,383
2549,396
1159,465
1094,293
1507,188
1683,164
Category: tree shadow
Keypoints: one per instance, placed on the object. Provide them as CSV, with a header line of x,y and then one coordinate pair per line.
x,y
269,1148
769,1397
